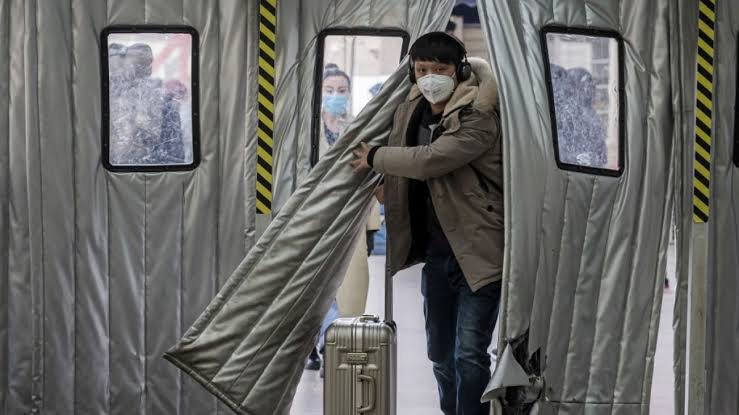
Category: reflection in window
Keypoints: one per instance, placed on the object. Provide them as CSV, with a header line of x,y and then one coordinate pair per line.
x,y
354,67
585,94
150,100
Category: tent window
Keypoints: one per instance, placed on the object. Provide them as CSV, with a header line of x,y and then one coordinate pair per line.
x,y
351,66
584,73
150,98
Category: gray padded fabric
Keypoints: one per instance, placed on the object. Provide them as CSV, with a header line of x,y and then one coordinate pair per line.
x,y
585,255
249,345
99,272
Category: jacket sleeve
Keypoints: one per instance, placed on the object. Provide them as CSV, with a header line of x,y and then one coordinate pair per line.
x,y
478,133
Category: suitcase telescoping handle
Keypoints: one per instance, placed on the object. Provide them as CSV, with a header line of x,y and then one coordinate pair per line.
x,y
388,285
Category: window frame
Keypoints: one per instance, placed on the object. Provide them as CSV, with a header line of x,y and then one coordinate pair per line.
x,y
603,33
105,97
318,76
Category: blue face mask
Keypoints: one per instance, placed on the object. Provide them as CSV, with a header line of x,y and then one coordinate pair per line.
x,y
335,104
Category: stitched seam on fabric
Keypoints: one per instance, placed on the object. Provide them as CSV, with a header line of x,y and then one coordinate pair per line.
x,y
407,10
626,292
565,224
6,212
145,394
504,307
181,296
315,274
298,367
623,321
551,10
106,177
559,252
649,106
218,158
211,387
75,244
518,18
110,350
597,300
298,95
678,324
299,321
26,270
577,285
42,283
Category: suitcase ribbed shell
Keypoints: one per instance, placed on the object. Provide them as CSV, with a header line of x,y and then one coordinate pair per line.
x,y
360,367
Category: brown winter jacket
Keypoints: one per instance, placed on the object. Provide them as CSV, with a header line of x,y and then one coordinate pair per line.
x,y
463,170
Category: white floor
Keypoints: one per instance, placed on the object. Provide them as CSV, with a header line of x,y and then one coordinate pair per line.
x,y
416,384
417,393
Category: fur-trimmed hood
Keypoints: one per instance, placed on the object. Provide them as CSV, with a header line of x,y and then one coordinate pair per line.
x,y
481,90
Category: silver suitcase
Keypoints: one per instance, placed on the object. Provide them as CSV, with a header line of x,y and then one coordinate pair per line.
x,y
361,364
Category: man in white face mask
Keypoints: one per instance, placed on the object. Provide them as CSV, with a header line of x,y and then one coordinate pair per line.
x,y
444,207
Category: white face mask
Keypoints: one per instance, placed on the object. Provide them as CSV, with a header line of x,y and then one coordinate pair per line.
x,y
436,88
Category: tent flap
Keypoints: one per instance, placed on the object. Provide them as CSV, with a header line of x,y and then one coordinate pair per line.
x,y
248,347
584,251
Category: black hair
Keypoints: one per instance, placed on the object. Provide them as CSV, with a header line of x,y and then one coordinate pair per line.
x,y
331,69
139,53
450,26
437,47
143,58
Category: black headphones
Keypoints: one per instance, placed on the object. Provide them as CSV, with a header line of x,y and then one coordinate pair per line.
x,y
464,69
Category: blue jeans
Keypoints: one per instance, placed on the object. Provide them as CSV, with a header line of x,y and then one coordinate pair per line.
x,y
331,315
459,328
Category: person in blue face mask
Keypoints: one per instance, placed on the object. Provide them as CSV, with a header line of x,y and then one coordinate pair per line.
x,y
351,298
336,90
335,114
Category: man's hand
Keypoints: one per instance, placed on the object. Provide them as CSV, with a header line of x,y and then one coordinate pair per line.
x,y
380,193
360,162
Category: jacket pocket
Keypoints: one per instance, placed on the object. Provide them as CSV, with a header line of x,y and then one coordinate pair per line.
x,y
489,207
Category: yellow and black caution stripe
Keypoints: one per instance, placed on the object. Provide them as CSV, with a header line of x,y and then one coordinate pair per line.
x,y
266,107
704,111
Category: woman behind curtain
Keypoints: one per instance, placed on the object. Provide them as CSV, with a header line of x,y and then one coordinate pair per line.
x,y
351,298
